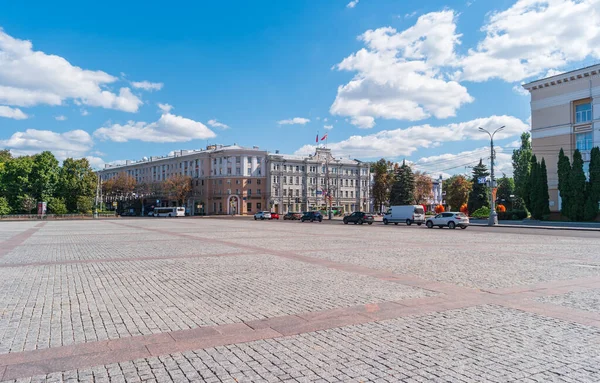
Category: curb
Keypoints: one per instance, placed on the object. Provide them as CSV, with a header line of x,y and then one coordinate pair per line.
x,y
538,227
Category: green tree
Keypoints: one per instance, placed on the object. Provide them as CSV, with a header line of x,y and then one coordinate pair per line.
x,y
543,204
564,169
593,186
44,176
76,179
479,195
506,188
381,183
4,207
423,188
531,184
576,188
85,204
457,190
521,161
27,203
16,180
57,206
403,189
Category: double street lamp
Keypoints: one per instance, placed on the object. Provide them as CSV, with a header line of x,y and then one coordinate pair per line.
x,y
493,220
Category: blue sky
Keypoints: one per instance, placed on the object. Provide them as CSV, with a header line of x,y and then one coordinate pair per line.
x,y
387,78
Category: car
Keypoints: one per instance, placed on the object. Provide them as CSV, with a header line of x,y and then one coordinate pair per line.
x,y
262,215
292,216
128,214
358,217
312,216
450,219
408,214
151,213
274,215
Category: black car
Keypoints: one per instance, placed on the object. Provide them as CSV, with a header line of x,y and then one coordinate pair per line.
x,y
358,217
312,216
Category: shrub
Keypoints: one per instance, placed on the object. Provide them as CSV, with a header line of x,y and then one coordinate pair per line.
x,y
482,212
4,207
57,206
464,209
514,215
439,209
500,208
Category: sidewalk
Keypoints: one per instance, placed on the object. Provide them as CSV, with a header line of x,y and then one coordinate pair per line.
x,y
548,225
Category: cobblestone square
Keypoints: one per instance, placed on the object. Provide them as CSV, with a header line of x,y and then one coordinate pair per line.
x,y
234,300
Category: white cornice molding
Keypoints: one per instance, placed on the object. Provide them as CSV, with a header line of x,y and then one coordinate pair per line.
x,y
566,98
567,77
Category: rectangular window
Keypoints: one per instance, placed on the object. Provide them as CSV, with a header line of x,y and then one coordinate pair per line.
x,y
249,206
238,171
297,168
584,141
258,205
257,191
297,192
249,181
583,112
284,192
238,159
229,171
249,192
258,182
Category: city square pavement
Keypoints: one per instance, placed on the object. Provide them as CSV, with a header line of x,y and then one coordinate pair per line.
x,y
237,300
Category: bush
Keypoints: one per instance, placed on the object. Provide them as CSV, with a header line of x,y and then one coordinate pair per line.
x,y
512,215
464,209
439,209
57,206
4,207
85,204
500,208
482,212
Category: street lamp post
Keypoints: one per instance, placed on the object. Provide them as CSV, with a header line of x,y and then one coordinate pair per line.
x,y
493,220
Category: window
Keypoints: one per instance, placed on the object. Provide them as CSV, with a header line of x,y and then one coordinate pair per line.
x,y
238,159
238,171
284,192
228,191
284,179
258,182
297,192
257,191
249,192
584,141
346,193
249,181
297,180
229,171
258,205
351,194
297,168
249,206
583,112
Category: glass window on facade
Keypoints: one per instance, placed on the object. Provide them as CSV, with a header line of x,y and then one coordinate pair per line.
x,y
249,206
584,141
583,112
258,205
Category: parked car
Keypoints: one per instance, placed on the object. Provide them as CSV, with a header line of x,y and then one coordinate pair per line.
x,y
358,217
408,214
312,216
450,219
262,215
128,214
292,216
274,215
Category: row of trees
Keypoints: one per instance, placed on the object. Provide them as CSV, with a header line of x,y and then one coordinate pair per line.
x,y
580,197
125,187
396,184
25,180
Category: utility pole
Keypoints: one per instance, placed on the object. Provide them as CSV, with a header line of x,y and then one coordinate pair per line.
x,y
97,195
493,220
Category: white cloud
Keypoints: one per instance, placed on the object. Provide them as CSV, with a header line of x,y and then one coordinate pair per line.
x,y
294,121
14,113
410,15
60,118
216,124
352,4
513,145
84,112
454,163
29,78
399,75
518,89
327,127
533,37
147,85
404,142
74,143
166,108
168,128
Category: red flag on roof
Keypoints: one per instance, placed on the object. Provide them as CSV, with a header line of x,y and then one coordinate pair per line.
x,y
317,140
324,137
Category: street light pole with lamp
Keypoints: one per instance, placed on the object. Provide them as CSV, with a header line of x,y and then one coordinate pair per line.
x,y
493,220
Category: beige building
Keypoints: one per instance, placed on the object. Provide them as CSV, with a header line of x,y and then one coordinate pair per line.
x,y
225,179
565,113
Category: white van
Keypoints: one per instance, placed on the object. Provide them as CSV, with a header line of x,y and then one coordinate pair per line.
x,y
408,213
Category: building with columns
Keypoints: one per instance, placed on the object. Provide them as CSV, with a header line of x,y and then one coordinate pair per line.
x,y
237,180
565,113
225,179
317,181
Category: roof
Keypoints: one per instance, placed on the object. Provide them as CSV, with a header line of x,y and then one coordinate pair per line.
x,y
573,75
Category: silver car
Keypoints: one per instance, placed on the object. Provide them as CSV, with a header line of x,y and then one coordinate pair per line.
x,y
262,215
450,219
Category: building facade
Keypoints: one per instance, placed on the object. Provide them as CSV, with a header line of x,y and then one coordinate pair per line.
x,y
225,179
317,182
235,180
565,113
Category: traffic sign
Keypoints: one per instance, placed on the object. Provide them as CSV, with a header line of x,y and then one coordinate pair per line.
x,y
482,180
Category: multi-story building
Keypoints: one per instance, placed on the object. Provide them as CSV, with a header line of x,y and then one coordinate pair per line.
x,y
437,193
225,179
565,113
317,181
